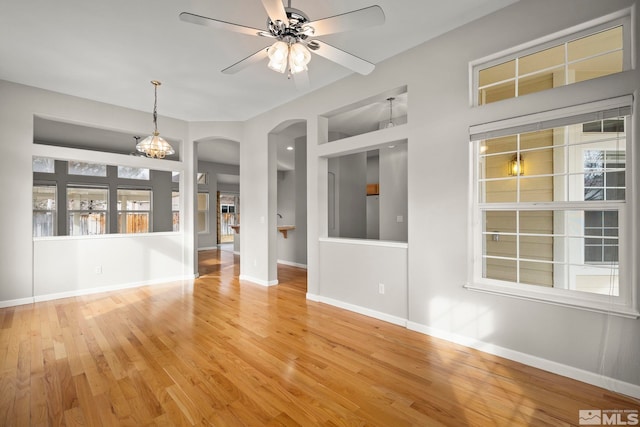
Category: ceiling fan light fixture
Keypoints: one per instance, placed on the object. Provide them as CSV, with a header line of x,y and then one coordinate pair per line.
x,y
154,145
299,57
278,54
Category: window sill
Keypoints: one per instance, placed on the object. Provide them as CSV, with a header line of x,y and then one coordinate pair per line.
x,y
565,298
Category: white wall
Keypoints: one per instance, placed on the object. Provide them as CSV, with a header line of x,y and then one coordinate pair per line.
x,y
22,275
590,346
75,265
594,347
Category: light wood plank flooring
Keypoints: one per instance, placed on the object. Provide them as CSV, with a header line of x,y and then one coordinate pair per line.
x,y
220,352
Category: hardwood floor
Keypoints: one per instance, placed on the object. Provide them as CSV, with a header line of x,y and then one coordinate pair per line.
x,y
220,352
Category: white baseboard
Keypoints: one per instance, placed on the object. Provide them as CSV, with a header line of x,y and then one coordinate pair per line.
x,y
361,310
257,281
14,302
292,264
588,377
89,291
207,248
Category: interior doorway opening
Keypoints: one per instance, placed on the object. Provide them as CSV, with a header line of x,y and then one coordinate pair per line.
x,y
228,216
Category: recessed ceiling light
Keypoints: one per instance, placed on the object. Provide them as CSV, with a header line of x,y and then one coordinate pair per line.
x,y
290,148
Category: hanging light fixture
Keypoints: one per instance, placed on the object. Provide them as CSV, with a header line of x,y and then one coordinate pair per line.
x,y
154,145
390,124
283,53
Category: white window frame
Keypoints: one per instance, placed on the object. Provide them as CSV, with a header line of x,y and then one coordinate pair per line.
x,y
625,304
621,18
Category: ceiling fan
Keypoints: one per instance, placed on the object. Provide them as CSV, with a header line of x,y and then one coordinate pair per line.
x,y
294,36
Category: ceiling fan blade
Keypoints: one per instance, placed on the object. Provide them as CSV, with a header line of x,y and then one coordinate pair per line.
x,y
341,57
221,25
301,80
361,18
249,60
275,10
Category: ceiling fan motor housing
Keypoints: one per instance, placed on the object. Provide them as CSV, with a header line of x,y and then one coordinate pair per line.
x,y
294,30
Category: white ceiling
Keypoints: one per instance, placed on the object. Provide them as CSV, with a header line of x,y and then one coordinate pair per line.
x,y
109,51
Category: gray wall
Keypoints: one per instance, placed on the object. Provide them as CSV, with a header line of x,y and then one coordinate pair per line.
x,y
393,193
349,196
292,205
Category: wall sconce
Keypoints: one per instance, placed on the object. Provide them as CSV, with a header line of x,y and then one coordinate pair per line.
x,y
516,166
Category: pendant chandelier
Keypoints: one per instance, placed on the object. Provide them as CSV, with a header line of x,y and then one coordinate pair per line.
x,y
390,124
154,145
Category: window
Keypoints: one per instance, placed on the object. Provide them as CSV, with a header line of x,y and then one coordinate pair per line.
x,y
44,210
129,172
604,180
203,213
584,55
202,178
134,211
87,210
175,209
87,169
43,165
556,230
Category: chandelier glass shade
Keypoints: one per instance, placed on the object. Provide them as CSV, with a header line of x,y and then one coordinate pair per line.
x,y
295,55
154,145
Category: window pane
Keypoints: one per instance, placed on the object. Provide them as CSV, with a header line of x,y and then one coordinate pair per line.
x,y
586,58
175,201
87,198
203,201
500,269
84,223
176,221
548,58
536,273
497,93
595,44
202,178
130,222
44,224
202,222
497,73
44,197
599,66
133,173
43,165
554,248
134,200
87,169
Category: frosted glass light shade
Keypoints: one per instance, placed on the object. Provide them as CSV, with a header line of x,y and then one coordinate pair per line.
x,y
299,57
155,146
278,53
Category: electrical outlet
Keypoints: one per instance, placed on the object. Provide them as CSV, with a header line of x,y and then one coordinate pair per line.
x,y
381,288
99,269
255,262
399,218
